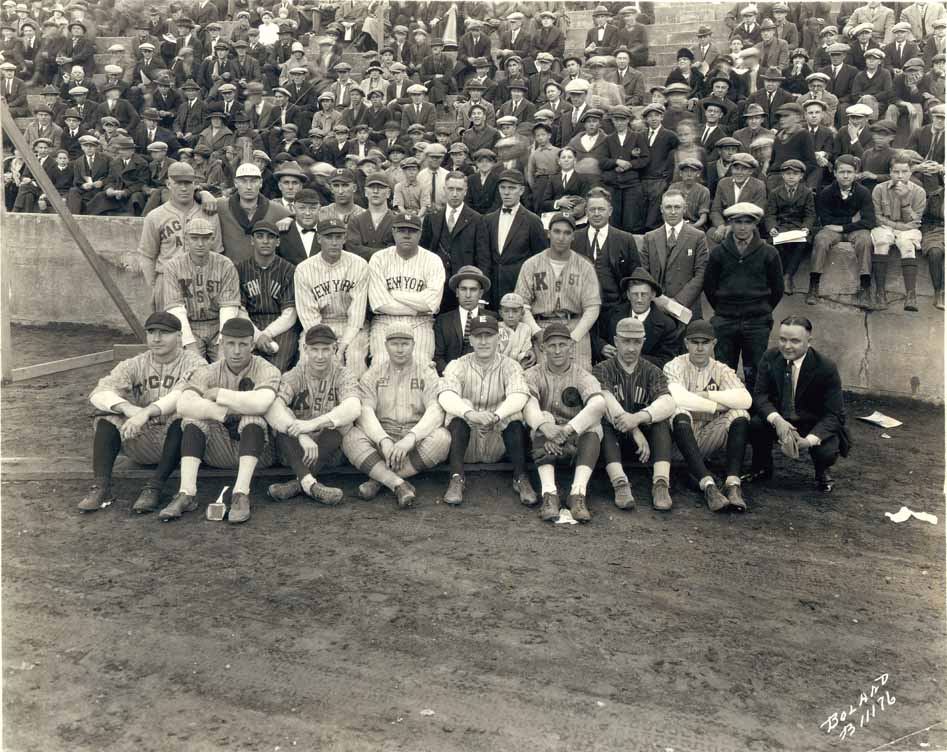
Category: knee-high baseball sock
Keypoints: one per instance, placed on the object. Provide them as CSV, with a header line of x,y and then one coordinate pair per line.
x,y
587,451
385,475
293,452
459,439
252,441
909,270
687,444
547,477
879,270
193,442
514,437
736,447
615,473
662,471
170,455
329,442
106,445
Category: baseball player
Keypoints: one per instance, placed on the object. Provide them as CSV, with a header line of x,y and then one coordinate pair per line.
x,y
267,297
560,285
712,413
484,392
202,289
223,406
138,403
401,429
343,185
317,404
564,410
637,404
405,286
332,289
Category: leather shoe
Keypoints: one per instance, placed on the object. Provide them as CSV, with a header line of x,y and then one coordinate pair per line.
x,y
285,491
910,301
180,504
624,498
661,496
758,474
239,508
369,489
405,494
325,494
939,300
578,507
735,497
99,496
825,482
715,500
148,500
524,488
550,508
455,490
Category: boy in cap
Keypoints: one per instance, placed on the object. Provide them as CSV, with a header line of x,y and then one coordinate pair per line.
x,y
744,283
202,289
316,405
371,230
908,95
400,431
564,411
223,405
408,196
516,339
637,407
711,414
752,190
267,297
136,407
483,394
790,207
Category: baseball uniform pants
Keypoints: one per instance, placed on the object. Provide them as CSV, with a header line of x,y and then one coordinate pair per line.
x,y
470,444
428,453
222,444
619,447
157,444
421,326
584,448
826,239
729,429
290,452
763,437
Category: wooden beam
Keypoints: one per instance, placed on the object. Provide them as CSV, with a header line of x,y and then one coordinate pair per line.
x,y
58,366
6,299
124,352
55,200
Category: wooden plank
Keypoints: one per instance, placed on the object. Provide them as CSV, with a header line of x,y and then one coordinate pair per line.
x,y
124,352
55,200
6,298
58,366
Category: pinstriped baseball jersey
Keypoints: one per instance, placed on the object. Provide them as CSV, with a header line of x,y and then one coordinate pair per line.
x,y
258,374
562,394
265,293
310,395
331,291
712,377
162,237
142,380
636,390
574,288
396,281
399,397
202,290
486,387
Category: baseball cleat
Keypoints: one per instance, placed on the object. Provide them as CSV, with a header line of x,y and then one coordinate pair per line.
x,y
735,497
180,504
149,500
716,501
239,508
624,498
99,497
825,482
576,504
661,496
285,491
455,490
910,301
550,508
405,494
369,489
524,488
325,494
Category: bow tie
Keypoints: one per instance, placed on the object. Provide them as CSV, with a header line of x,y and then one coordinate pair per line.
x,y
307,230
507,211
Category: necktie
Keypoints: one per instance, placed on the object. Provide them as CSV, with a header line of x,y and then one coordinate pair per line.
x,y
433,188
672,238
787,407
651,136
507,211
595,246
307,230
703,139
935,152
451,219
467,329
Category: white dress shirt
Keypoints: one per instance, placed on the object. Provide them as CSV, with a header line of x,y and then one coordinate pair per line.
x,y
504,225
308,238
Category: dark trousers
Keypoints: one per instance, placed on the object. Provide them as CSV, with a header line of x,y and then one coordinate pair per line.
x,y
652,189
514,439
746,337
763,436
627,207
616,444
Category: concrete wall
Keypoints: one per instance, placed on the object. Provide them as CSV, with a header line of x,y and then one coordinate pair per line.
x,y
893,352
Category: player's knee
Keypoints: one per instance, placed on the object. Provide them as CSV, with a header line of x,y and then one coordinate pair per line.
x,y
195,424
732,415
249,421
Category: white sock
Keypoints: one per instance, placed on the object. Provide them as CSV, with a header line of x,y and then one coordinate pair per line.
x,y
245,470
581,480
662,471
732,480
189,468
307,483
547,477
384,475
615,472
706,481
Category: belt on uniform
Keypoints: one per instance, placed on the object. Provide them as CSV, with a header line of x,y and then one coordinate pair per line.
x,y
556,316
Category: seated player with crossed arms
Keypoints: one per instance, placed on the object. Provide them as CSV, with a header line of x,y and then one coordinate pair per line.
x,y
565,410
484,393
317,404
332,289
139,400
202,289
223,406
712,413
401,429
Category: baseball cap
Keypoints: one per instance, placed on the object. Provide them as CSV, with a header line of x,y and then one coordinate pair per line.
x,y
163,321
248,170
307,196
407,219
699,329
629,328
399,332
512,300
331,226
562,217
556,329
512,176
237,327
341,175
378,178
320,334
483,325
264,226
199,226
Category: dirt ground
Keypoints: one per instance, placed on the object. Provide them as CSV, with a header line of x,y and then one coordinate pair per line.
x,y
333,629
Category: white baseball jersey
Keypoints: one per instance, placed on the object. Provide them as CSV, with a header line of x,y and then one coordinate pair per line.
x,y
310,395
485,388
336,292
399,397
399,287
163,234
715,375
573,288
563,395
202,290
258,374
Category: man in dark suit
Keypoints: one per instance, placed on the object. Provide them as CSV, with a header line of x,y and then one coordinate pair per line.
x,y
149,131
71,133
89,174
514,234
516,41
676,254
418,111
823,142
860,45
771,97
13,91
570,122
662,339
451,328
455,233
566,182
473,44
657,173
483,194
841,77
124,187
79,50
301,242
613,251
900,49
798,401
603,37
189,121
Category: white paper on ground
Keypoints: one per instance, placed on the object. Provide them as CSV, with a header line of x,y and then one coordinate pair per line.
x,y
904,514
565,518
880,419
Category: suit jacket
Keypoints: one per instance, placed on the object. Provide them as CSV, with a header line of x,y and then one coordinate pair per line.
x,y
449,339
468,48
660,165
190,119
776,53
819,405
352,117
617,258
249,69
456,248
753,191
99,171
893,59
524,45
841,86
273,118
523,112
170,103
17,97
921,18
526,238
82,52
662,339
780,97
89,113
483,195
681,271
291,246
632,82
427,117
615,151
132,177
609,39
71,143
161,134
844,145
831,102
363,238
578,185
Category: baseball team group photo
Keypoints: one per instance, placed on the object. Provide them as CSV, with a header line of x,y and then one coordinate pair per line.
x,y
457,375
